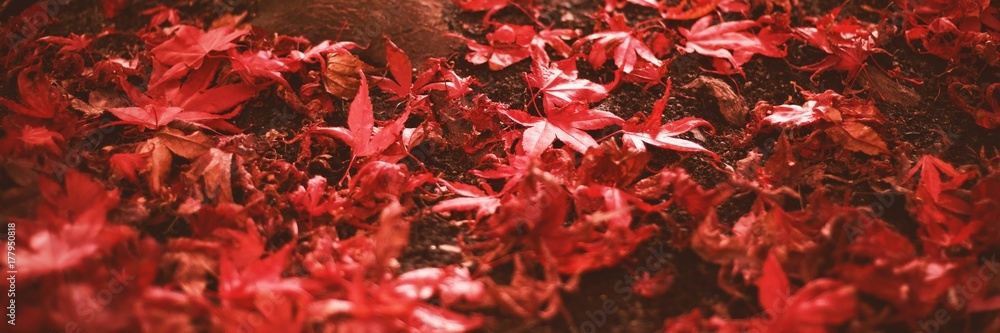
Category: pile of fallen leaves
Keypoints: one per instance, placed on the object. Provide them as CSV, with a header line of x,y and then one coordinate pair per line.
x,y
142,201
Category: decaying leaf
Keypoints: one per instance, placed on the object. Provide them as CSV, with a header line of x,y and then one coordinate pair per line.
x,y
848,122
886,88
733,107
214,168
856,136
188,146
164,144
340,77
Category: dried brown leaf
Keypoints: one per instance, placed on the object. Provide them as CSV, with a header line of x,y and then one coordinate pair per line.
x,y
160,160
89,111
214,168
733,107
188,146
164,144
856,136
340,77
392,235
888,89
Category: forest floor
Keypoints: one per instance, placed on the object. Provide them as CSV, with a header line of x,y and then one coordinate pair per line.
x,y
771,210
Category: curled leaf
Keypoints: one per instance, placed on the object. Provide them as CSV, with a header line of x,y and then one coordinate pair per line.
x,y
340,77
733,107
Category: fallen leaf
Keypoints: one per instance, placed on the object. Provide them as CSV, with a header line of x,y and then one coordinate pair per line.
x,y
856,136
163,145
39,98
129,165
340,77
567,123
732,42
508,44
401,84
621,43
559,85
149,116
361,133
190,45
733,107
214,168
188,146
653,132
772,287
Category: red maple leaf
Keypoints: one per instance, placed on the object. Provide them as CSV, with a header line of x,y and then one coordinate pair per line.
x,y
731,44
161,14
439,77
567,123
259,64
685,9
128,165
73,242
40,137
315,199
258,276
151,116
559,85
556,39
493,6
361,133
948,27
317,53
188,49
621,43
970,15
452,283
71,225
817,307
773,287
190,45
842,119
610,5
481,5
79,193
914,286
190,100
38,98
604,234
848,43
665,135
797,115
73,43
403,304
508,44
470,198
938,205
399,64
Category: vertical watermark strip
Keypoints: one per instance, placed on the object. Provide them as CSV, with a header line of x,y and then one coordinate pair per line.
x,y
11,269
